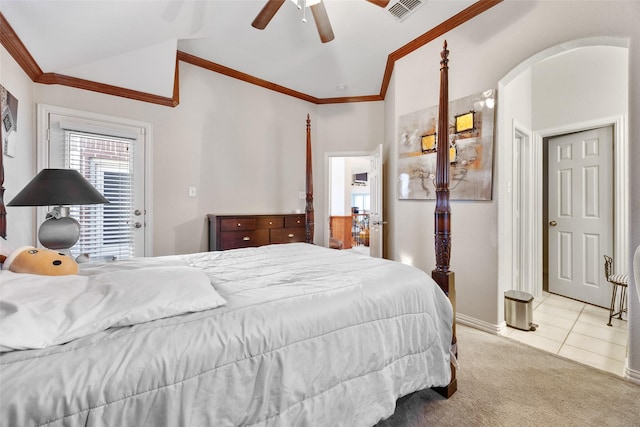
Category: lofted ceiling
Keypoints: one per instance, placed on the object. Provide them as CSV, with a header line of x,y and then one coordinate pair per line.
x,y
132,44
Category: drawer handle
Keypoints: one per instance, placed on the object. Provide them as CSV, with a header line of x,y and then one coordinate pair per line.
x,y
270,222
246,238
239,225
291,235
299,221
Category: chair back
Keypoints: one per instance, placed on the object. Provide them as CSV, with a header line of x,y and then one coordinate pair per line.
x,y
608,262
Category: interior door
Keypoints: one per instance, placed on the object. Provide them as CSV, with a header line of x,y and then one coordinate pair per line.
x,y
376,220
580,227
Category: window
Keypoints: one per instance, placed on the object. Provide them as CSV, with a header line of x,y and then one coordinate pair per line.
x,y
362,201
106,162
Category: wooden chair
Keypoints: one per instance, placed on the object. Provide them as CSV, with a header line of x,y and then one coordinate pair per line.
x,y
617,280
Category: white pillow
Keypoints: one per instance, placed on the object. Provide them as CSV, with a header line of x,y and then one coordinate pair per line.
x,y
40,311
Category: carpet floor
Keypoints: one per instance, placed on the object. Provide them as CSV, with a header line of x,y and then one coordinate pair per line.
x,y
502,382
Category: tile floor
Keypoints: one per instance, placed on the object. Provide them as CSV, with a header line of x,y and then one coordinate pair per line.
x,y
577,331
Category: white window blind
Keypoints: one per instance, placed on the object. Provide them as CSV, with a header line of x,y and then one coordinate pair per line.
x,y
107,163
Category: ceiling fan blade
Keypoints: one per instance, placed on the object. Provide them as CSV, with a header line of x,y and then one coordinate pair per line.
x,y
381,3
266,14
322,22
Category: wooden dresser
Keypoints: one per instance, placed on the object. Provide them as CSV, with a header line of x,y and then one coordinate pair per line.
x,y
243,231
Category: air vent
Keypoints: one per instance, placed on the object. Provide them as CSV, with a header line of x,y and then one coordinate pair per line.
x,y
403,8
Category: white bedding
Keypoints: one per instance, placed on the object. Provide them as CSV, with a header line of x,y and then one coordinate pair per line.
x,y
309,337
41,311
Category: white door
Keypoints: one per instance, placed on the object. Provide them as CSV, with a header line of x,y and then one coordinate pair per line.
x,y
581,214
111,156
376,220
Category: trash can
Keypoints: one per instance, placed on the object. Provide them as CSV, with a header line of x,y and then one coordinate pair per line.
x,y
518,310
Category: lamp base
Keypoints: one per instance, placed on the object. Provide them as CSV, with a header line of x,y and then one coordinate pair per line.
x,y
59,233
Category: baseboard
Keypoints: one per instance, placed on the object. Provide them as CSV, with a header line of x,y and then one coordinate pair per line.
x,y
482,325
631,375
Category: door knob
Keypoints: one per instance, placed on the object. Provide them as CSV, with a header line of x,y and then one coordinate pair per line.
x,y
553,223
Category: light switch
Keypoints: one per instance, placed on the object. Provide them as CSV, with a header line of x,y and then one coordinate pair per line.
x,y
192,192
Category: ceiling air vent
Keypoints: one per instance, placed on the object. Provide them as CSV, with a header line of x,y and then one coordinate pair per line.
x,y
403,8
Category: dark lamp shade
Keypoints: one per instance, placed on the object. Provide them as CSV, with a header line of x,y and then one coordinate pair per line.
x,y
56,187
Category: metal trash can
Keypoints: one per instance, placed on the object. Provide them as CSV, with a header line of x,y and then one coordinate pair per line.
x,y
518,310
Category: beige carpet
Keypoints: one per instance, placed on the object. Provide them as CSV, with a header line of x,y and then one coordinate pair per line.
x,y
502,382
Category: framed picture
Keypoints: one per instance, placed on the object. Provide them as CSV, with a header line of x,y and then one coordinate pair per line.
x,y
9,110
470,137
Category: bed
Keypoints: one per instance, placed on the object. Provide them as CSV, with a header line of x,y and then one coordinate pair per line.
x,y
290,334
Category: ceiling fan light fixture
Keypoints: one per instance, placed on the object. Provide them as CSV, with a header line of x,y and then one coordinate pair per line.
x,y
317,9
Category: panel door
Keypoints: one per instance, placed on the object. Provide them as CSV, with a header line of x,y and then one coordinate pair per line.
x,y
580,227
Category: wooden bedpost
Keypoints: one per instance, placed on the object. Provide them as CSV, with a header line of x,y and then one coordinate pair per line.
x,y
442,221
308,218
3,211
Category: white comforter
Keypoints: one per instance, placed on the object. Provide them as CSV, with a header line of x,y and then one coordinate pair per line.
x,y
308,337
41,311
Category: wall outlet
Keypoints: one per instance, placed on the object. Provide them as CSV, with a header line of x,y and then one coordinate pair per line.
x,y
193,192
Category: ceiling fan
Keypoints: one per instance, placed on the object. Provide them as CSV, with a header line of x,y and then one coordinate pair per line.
x,y
317,9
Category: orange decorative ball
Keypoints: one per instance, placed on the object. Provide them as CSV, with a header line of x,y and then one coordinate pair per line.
x,y
46,262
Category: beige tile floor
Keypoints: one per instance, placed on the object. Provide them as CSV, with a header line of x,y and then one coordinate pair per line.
x,y
577,331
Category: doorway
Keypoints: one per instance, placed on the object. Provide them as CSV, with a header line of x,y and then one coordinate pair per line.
x,y
348,204
112,153
542,84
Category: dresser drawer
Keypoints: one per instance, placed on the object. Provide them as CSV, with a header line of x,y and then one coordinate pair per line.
x,y
243,239
245,231
287,235
232,224
270,222
294,221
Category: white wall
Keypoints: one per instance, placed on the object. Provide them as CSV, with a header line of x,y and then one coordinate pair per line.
x,y
578,85
343,130
481,54
242,146
20,169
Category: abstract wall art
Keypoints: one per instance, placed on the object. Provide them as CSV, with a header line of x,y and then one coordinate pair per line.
x,y
471,121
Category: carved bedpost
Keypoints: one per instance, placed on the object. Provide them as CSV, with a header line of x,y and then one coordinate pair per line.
x,y
443,210
3,212
308,219
442,220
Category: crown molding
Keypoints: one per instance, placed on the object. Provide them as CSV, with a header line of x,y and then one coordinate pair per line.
x,y
12,43
460,18
60,79
17,49
230,72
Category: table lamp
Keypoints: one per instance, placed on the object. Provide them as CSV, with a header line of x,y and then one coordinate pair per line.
x,y
59,188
